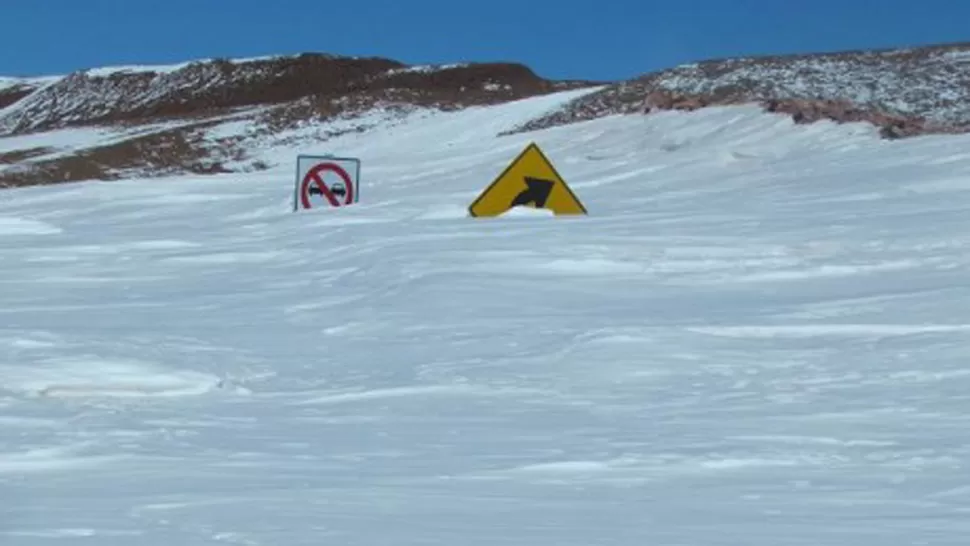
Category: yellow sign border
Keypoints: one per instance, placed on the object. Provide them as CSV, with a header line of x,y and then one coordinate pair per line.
x,y
511,165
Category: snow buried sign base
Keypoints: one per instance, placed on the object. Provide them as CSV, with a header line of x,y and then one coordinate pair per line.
x,y
326,181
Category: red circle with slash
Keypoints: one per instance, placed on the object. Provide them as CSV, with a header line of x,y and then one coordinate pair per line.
x,y
313,176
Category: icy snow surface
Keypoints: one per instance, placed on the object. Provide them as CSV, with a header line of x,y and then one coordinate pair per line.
x,y
759,336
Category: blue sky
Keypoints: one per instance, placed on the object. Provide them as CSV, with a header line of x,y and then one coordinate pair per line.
x,y
605,40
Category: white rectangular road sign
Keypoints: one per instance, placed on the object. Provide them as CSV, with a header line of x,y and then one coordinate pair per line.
x,y
326,181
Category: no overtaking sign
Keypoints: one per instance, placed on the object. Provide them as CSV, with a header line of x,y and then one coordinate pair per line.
x,y
325,181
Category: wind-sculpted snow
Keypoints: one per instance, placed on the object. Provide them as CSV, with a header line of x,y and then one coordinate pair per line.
x,y
757,336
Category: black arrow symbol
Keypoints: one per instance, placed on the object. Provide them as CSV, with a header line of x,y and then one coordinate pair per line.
x,y
537,192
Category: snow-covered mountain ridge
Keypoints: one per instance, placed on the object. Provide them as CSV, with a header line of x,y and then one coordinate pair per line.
x,y
183,118
127,95
906,92
159,118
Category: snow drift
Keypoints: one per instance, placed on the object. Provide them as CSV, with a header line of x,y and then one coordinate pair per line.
x,y
757,336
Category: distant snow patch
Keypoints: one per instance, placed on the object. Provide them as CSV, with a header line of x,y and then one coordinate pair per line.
x,y
590,266
243,60
567,467
39,81
134,69
65,533
30,344
492,86
24,226
94,377
415,392
168,68
254,257
49,459
232,129
958,56
425,68
66,142
816,330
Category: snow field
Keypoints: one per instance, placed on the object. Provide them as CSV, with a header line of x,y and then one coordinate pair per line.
x,y
758,336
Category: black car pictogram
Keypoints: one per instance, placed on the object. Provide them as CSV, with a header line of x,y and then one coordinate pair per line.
x,y
337,189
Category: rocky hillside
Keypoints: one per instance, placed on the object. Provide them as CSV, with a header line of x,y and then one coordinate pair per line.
x,y
161,116
14,89
905,92
144,121
204,89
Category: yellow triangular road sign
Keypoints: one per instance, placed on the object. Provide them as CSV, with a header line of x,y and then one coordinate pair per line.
x,y
530,180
